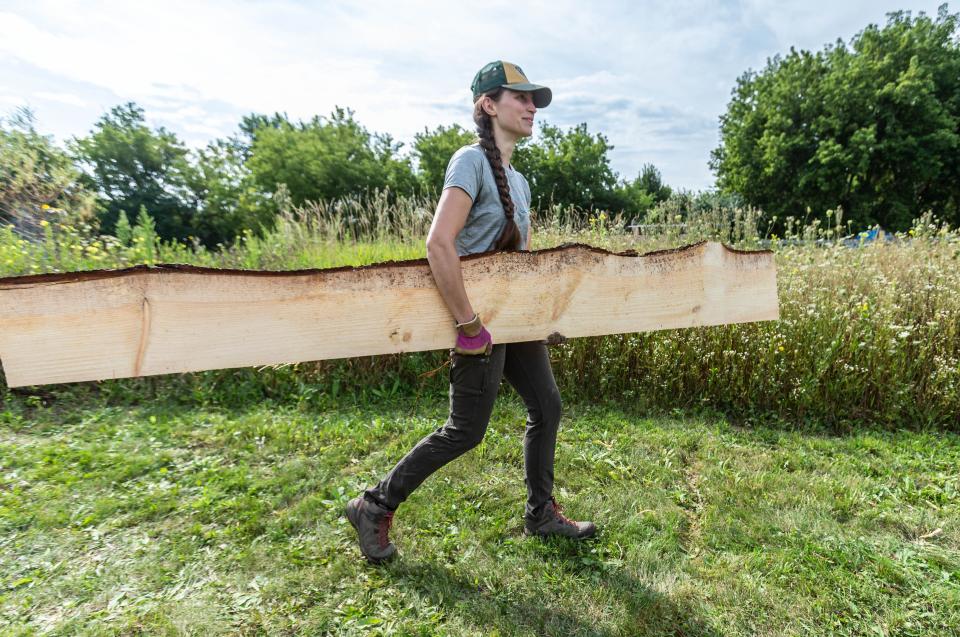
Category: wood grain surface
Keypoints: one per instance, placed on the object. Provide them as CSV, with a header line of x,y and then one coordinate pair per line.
x,y
81,326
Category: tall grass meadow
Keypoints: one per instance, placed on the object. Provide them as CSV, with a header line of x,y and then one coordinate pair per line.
x,y
869,330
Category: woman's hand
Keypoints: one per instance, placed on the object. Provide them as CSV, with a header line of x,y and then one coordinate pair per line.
x,y
473,339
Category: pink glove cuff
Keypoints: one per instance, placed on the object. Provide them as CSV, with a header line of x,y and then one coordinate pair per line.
x,y
481,340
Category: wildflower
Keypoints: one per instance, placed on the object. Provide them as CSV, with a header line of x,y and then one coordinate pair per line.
x,y
44,223
45,207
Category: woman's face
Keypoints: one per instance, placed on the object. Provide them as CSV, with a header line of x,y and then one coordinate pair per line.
x,y
514,112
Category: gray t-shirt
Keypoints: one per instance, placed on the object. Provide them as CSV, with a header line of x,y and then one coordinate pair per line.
x,y
470,171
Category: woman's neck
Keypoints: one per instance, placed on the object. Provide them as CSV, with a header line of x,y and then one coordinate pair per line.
x,y
506,143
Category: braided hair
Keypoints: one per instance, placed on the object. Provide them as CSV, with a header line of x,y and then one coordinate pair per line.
x,y
510,237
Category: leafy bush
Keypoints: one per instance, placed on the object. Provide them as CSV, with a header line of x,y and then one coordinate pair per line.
x,y
38,181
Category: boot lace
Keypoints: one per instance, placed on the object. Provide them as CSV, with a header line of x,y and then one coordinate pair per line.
x,y
383,528
557,512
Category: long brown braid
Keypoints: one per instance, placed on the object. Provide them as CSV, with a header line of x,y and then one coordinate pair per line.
x,y
510,237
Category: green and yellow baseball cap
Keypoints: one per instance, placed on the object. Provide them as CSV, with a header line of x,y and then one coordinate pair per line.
x,y
500,73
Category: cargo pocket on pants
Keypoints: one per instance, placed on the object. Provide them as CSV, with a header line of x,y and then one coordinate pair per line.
x,y
468,376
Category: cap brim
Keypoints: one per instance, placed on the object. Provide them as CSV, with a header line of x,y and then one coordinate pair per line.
x,y
542,96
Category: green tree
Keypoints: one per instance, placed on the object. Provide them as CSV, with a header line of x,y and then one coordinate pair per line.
x,y
651,181
36,176
568,167
635,198
874,128
398,171
632,198
324,158
228,199
132,166
433,150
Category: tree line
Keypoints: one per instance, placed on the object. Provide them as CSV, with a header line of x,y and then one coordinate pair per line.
x,y
872,128
214,193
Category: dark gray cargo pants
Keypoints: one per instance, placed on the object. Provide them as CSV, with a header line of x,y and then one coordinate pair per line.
x,y
474,383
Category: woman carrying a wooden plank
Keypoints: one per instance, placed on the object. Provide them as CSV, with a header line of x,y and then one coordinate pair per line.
x,y
485,205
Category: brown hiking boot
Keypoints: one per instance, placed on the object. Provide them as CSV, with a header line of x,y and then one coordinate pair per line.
x,y
552,522
372,523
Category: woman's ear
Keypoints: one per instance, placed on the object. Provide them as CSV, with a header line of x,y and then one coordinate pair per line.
x,y
489,106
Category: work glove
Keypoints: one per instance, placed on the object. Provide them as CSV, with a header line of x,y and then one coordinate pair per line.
x,y
473,339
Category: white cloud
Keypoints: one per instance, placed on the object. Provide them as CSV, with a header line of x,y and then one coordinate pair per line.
x,y
652,76
63,98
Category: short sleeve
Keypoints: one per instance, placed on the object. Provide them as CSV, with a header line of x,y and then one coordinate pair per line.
x,y
526,187
465,171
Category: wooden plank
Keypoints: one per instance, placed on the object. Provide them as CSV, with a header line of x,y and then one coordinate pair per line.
x,y
58,328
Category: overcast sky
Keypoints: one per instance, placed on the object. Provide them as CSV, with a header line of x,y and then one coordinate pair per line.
x,y
653,77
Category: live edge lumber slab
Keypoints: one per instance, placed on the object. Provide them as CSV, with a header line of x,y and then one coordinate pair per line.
x,y
145,320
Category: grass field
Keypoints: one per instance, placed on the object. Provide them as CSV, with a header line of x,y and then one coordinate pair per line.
x,y
160,520
797,477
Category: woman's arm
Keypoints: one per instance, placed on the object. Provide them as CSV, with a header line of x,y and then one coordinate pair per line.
x,y
529,235
448,221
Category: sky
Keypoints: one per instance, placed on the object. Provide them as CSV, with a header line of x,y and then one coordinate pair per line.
x,y
653,77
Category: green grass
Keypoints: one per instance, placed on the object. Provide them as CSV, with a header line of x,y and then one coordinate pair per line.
x,y
161,519
211,503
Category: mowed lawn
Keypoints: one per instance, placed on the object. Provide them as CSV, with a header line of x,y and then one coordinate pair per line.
x,y
165,520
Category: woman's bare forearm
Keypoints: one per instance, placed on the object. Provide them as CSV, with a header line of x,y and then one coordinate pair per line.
x,y
445,266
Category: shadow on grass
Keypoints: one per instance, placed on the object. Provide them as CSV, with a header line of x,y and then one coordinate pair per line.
x,y
647,612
